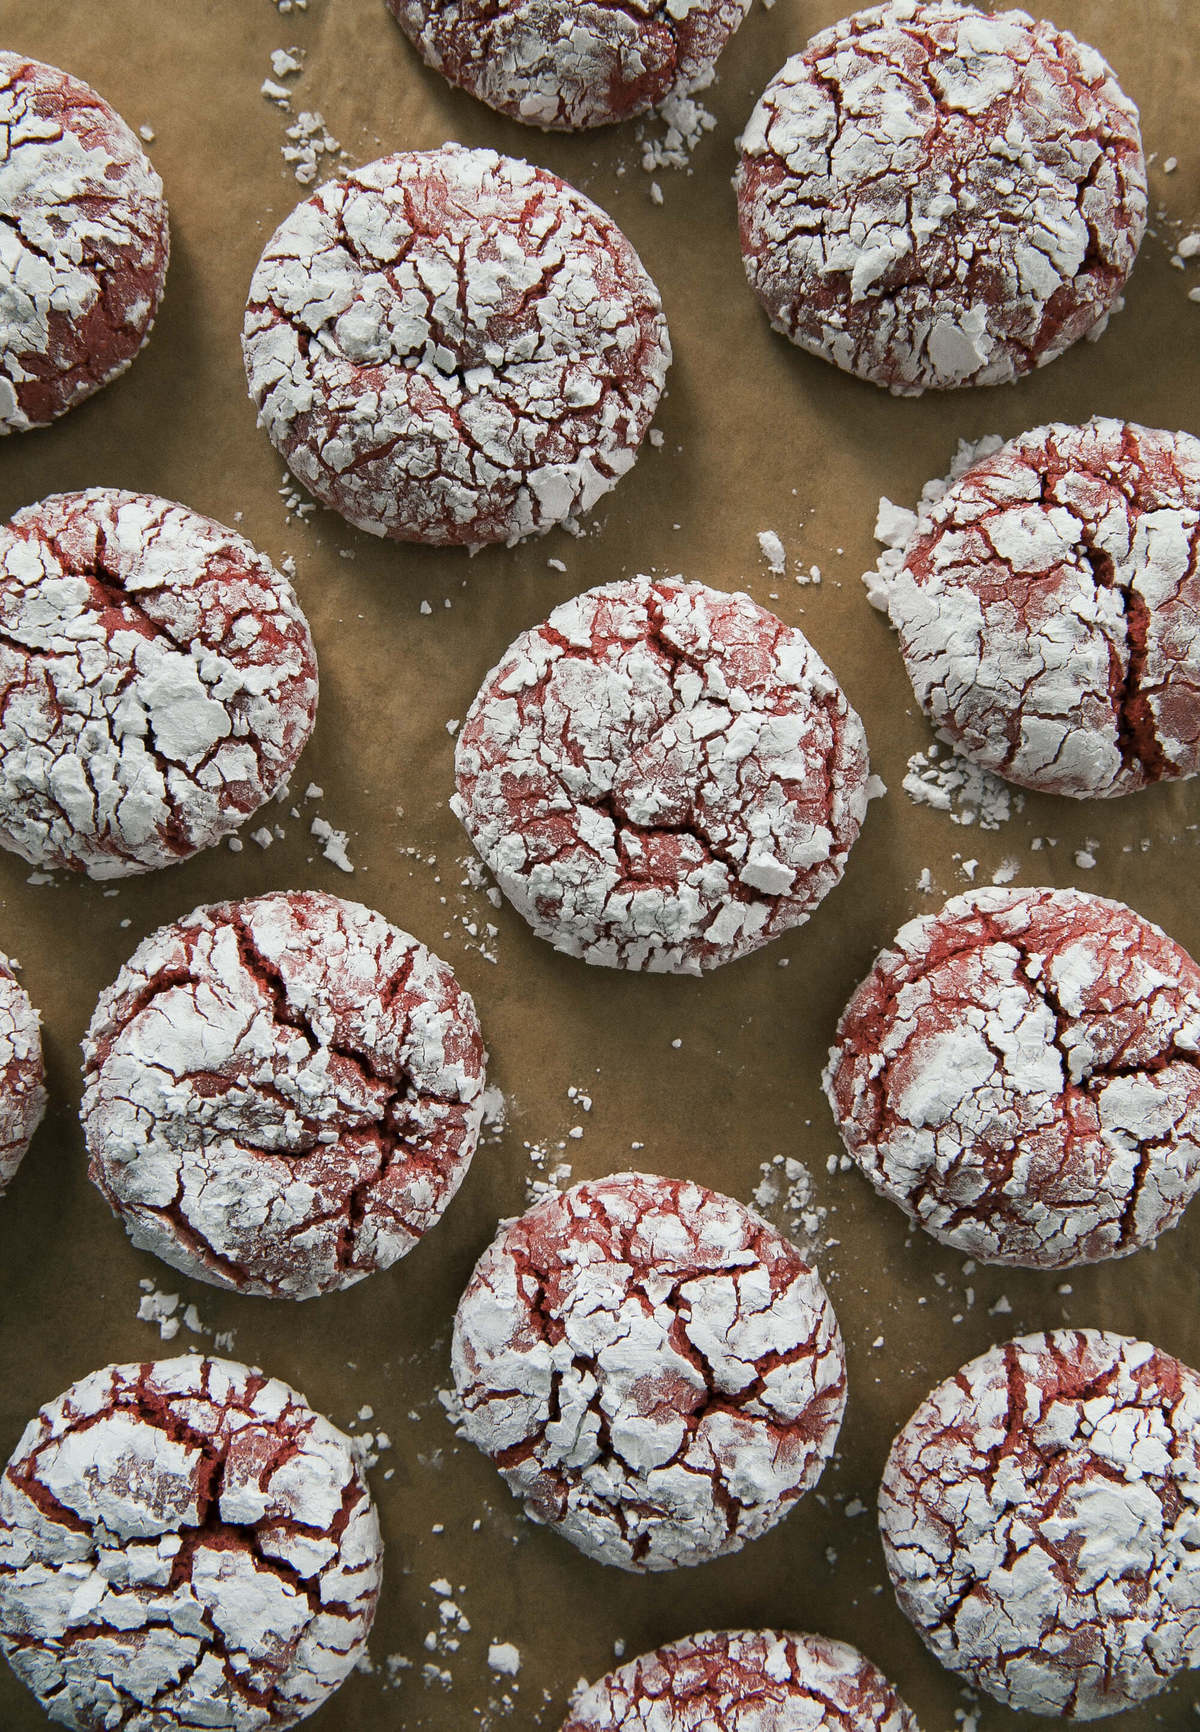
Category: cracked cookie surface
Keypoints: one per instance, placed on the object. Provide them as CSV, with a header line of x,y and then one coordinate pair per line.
x,y
454,347
83,243
597,63
744,1681
1020,1074
655,1372
932,197
184,1543
1048,609
158,682
1039,1514
22,1077
281,1095
662,776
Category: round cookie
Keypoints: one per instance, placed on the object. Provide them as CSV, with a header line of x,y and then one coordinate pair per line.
x,y
83,243
566,70
1048,607
182,1544
743,1681
281,1095
160,682
1039,1513
662,776
22,1078
932,197
655,1372
453,347
1020,1074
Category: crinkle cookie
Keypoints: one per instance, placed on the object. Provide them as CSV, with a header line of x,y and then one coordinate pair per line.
x,y
930,196
743,1681
184,1544
662,776
1020,1074
281,1095
159,682
22,1079
83,243
1048,608
570,68
453,347
1039,1515
655,1372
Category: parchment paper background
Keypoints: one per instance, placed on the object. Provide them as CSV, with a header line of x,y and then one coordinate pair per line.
x,y
712,1077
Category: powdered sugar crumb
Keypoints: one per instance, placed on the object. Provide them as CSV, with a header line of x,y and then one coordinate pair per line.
x,y
949,783
784,1197
333,844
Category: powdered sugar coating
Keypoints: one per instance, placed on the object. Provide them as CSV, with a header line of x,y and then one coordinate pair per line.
x,y
744,1681
932,197
1019,1073
281,1095
182,1544
22,1078
662,776
159,676
653,1369
567,70
453,347
1048,607
83,243
1039,1515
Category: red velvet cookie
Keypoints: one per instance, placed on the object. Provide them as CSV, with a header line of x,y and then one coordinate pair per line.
x,y
160,682
654,1370
931,196
83,243
281,1095
450,346
22,1078
1020,1074
1048,607
184,1544
743,1681
662,776
1039,1515
570,68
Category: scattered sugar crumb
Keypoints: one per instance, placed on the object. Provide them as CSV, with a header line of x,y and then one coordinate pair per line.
x,y
656,193
784,1195
1007,870
1085,857
772,550
1170,165
925,882
333,843
685,121
146,134
310,141
948,783
262,836
504,1657
1002,1307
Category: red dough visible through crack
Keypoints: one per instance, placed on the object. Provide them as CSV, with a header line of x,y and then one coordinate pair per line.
x,y
569,68
184,1543
454,347
84,249
743,1681
1039,1513
662,776
282,1095
654,1370
1048,608
1020,1074
930,196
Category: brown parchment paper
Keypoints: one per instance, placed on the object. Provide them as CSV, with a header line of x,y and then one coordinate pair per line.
x,y
708,1078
